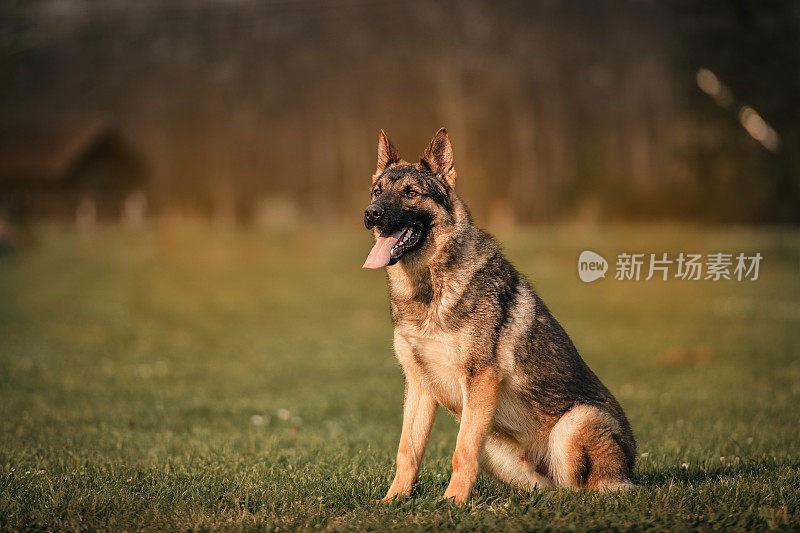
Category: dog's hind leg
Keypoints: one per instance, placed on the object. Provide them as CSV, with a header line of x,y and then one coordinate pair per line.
x,y
586,449
507,462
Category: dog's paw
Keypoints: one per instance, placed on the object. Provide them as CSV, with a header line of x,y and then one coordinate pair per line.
x,y
392,496
456,495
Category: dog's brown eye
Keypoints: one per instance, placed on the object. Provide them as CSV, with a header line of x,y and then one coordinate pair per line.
x,y
411,193
377,191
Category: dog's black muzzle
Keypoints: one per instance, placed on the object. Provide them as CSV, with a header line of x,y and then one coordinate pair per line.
x,y
387,216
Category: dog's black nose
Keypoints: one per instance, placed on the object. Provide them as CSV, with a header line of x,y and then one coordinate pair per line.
x,y
373,214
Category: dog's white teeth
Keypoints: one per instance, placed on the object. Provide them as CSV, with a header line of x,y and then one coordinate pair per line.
x,y
403,240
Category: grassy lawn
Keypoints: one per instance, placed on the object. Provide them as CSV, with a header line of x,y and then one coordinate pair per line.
x,y
181,378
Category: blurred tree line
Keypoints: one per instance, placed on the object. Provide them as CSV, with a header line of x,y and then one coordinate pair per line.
x,y
557,110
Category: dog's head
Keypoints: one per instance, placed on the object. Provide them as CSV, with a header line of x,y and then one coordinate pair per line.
x,y
410,201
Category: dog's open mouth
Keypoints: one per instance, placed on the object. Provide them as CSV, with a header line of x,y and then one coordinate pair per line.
x,y
390,246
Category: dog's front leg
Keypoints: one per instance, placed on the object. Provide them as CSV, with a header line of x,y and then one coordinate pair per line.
x,y
419,411
479,399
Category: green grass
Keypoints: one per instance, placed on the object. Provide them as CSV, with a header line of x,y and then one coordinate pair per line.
x,y
189,378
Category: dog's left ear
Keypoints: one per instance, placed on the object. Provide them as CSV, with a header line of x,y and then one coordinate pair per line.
x,y
387,154
438,158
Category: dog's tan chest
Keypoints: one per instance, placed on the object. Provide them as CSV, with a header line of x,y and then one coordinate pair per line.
x,y
436,363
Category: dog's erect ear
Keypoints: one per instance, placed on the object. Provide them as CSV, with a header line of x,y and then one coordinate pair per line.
x,y
439,158
387,154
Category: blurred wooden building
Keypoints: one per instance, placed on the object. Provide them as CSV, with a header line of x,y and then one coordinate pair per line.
x,y
81,171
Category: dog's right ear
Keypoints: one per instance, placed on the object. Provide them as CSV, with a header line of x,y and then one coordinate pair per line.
x,y
387,154
438,158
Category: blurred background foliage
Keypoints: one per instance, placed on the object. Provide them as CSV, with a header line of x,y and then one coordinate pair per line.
x,y
247,111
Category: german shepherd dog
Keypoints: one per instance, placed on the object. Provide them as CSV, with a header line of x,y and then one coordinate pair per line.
x,y
473,336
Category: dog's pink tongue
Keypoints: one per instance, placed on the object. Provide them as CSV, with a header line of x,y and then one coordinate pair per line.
x,y
381,253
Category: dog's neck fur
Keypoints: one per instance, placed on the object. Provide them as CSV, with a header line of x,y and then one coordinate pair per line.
x,y
418,291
